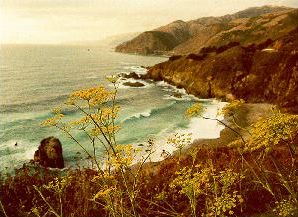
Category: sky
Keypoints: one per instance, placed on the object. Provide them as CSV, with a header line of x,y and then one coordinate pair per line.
x,y
63,21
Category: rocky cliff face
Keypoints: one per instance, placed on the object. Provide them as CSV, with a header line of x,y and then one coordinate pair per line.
x,y
253,25
264,72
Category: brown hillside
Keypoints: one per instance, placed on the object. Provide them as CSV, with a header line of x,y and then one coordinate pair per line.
x,y
265,72
252,25
242,30
148,43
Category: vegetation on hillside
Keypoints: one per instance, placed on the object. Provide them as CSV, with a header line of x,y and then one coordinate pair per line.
x,y
257,173
262,72
252,25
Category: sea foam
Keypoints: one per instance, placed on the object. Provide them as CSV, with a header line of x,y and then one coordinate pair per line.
x,y
198,128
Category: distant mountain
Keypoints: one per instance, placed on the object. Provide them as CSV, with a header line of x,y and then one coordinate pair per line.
x,y
252,25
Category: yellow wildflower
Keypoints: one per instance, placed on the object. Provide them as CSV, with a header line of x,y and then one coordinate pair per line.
x,y
113,79
195,110
268,132
231,108
53,121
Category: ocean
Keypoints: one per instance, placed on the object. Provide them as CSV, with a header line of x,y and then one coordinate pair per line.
x,y
36,78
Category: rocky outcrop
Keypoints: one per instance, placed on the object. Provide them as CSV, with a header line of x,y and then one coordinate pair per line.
x,y
264,72
133,75
134,84
252,25
49,153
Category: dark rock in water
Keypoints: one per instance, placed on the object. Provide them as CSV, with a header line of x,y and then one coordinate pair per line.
x,y
49,153
134,84
177,95
131,75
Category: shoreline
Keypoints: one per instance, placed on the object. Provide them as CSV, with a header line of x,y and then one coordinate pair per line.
x,y
249,113
196,128
224,135
194,122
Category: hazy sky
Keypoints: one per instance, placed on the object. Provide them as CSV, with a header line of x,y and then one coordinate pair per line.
x,y
56,21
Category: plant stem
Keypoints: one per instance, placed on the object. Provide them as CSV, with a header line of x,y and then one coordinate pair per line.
x,y
226,125
2,207
49,205
283,180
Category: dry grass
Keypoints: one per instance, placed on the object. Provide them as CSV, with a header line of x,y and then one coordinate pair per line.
x,y
19,197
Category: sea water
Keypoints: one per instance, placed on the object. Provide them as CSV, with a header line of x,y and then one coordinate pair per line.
x,y
36,78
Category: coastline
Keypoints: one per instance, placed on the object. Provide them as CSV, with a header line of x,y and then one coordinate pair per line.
x,y
35,96
158,173
192,118
223,137
248,114
199,128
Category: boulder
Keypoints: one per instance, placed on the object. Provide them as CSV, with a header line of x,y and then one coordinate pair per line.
x,y
177,95
134,84
131,75
49,153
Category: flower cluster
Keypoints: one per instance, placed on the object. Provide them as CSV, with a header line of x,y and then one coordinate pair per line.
x,y
225,199
217,187
195,110
191,183
224,204
268,132
97,110
231,108
108,113
227,178
122,155
35,211
113,78
180,141
161,196
94,96
286,208
58,184
53,121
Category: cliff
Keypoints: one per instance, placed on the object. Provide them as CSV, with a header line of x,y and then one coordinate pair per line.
x,y
257,73
252,25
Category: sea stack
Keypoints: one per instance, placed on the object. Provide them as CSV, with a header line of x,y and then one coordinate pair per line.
x,y
49,153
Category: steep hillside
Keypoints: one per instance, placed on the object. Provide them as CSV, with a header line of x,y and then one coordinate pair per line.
x,y
264,72
149,42
158,40
243,30
252,25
